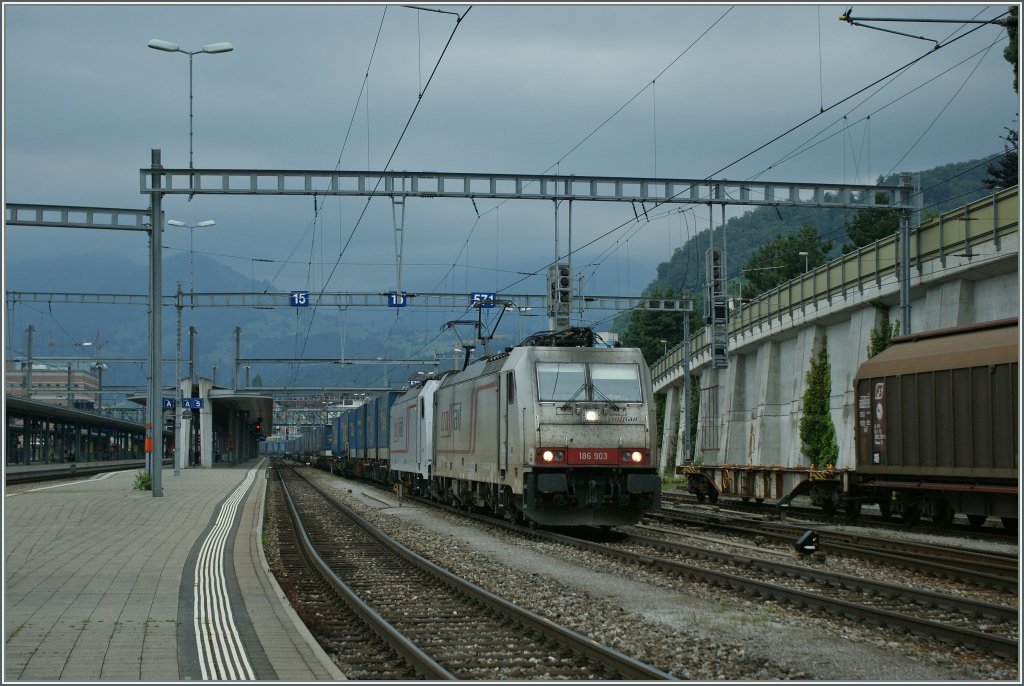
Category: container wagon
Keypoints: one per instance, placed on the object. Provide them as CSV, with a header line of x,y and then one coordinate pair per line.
x,y
937,425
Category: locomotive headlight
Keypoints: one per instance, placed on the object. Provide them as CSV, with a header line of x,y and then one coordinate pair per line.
x,y
591,415
551,455
632,456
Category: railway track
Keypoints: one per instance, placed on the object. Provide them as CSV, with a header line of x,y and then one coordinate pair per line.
x,y
953,620
440,627
957,621
863,518
994,570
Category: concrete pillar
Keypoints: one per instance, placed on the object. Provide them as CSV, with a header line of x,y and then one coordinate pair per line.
x,y
668,433
736,431
681,447
763,435
183,422
205,424
234,433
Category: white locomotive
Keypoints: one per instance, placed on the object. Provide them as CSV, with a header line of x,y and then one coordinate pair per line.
x,y
558,436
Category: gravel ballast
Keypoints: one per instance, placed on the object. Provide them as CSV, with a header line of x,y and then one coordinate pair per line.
x,y
688,629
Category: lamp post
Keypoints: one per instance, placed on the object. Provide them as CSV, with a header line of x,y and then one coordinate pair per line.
x,y
211,49
98,368
191,243
804,254
664,347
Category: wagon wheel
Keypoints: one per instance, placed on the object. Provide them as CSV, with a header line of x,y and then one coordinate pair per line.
x,y
1009,523
852,508
976,520
885,508
828,508
713,496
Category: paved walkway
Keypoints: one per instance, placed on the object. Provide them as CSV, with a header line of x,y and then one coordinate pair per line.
x,y
103,582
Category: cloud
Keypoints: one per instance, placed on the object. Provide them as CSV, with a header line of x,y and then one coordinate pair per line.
x,y
518,89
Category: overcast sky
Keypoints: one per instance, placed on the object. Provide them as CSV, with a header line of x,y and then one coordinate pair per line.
x,y
676,91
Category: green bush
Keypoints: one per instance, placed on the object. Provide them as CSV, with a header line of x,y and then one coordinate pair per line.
x,y
143,482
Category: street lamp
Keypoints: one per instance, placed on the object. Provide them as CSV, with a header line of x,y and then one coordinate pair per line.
x,y
211,49
804,253
664,347
191,241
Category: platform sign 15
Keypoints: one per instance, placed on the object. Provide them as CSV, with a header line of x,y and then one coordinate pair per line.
x,y
396,299
482,299
300,298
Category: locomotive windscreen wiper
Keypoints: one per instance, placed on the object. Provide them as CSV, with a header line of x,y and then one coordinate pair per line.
x,y
596,391
608,400
572,397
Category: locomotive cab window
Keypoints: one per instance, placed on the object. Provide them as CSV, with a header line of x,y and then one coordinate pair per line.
x,y
559,380
615,382
596,382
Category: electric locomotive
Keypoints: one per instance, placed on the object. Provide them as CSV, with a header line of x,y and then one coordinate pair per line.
x,y
557,433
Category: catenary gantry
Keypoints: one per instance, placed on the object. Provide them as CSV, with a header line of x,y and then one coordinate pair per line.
x,y
397,184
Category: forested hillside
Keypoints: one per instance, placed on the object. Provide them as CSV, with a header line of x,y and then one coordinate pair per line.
x,y
945,188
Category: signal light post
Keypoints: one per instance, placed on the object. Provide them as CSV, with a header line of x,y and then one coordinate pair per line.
x,y
559,296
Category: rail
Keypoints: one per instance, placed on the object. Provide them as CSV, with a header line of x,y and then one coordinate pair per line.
x,y
951,234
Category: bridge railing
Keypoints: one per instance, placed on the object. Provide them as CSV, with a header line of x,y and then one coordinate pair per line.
x,y
952,233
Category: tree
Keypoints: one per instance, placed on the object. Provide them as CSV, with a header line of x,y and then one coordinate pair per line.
x,y
870,224
1010,53
648,328
1002,171
817,432
257,381
780,260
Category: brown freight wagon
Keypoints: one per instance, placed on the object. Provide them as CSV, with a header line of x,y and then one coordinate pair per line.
x,y
937,425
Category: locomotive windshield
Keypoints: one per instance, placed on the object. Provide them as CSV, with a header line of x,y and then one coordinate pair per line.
x,y
559,380
567,381
615,382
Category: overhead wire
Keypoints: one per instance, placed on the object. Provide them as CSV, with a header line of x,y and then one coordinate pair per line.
x,y
558,162
894,73
358,222
883,79
363,89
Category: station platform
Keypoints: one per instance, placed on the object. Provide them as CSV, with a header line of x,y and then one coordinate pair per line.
x,y
103,582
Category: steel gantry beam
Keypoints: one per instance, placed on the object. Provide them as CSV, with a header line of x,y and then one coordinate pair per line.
x,y
396,184
344,299
77,217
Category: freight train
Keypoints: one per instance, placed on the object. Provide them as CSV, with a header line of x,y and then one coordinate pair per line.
x,y
554,432
938,419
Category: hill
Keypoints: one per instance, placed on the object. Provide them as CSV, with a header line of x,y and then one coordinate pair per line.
x,y
944,188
